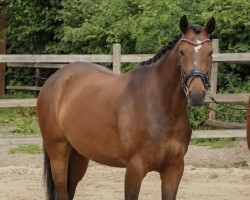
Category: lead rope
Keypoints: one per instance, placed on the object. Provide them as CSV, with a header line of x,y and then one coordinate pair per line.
x,y
226,106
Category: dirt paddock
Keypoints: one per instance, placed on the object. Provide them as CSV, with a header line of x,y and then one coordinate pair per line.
x,y
210,174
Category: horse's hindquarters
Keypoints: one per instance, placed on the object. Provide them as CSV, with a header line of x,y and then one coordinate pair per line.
x,y
79,106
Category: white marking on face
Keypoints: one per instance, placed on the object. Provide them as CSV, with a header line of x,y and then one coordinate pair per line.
x,y
195,63
197,48
198,41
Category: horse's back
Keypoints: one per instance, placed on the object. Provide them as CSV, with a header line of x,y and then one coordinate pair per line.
x,y
82,70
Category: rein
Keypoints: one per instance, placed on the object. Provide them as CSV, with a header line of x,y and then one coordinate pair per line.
x,y
226,106
195,72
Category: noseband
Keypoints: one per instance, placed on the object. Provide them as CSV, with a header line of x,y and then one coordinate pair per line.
x,y
194,72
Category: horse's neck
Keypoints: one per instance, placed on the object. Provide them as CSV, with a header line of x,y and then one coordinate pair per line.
x,y
159,84
169,75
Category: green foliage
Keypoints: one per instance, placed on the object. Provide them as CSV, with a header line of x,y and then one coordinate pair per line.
x,y
197,116
26,149
31,24
229,81
141,26
25,126
22,121
6,115
155,24
232,29
90,28
20,76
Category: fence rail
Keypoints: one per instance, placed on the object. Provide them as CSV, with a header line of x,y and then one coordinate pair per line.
x,y
124,58
57,61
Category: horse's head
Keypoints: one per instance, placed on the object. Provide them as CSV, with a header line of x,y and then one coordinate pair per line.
x,y
195,59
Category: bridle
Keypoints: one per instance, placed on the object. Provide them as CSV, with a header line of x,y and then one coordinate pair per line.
x,y
205,77
206,80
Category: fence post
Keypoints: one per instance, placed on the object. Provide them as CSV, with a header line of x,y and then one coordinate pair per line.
x,y
117,58
2,51
37,80
214,73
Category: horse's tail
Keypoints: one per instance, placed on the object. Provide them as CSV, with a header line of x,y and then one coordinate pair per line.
x,y
248,123
48,180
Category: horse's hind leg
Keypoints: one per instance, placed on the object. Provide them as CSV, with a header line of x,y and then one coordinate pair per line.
x,y
59,154
77,167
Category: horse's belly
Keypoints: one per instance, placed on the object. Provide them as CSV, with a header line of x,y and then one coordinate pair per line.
x,y
101,147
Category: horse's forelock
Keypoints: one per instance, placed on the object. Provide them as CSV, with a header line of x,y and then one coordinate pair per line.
x,y
196,28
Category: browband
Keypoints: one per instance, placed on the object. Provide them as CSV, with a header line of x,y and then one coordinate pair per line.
x,y
194,43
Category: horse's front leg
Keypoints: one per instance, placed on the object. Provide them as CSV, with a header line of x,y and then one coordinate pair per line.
x,y
135,173
170,179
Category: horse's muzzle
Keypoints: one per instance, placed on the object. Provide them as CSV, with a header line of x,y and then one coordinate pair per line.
x,y
196,98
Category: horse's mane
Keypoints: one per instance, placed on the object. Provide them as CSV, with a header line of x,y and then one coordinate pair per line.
x,y
164,49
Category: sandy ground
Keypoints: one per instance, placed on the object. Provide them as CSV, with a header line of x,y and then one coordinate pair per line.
x,y
210,174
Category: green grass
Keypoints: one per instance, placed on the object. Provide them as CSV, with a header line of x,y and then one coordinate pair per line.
x,y
25,126
19,121
215,143
11,94
22,121
26,149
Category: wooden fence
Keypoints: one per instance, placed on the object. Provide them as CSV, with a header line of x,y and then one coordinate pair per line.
x,y
57,61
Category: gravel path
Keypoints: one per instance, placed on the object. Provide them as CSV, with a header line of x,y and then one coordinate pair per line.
x,y
210,174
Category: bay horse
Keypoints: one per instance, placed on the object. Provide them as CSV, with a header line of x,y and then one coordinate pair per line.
x,y
137,120
248,124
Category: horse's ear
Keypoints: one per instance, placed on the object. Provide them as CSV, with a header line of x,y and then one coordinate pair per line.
x,y
184,24
210,26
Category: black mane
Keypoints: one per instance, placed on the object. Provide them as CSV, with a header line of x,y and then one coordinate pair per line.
x,y
158,55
